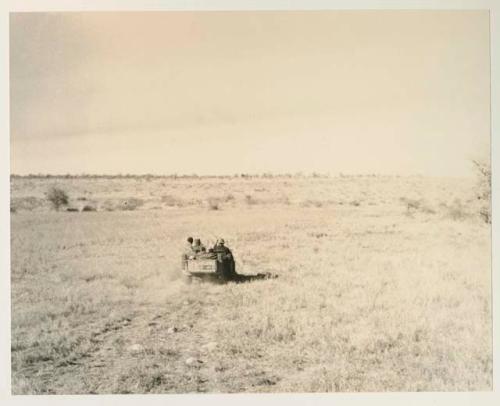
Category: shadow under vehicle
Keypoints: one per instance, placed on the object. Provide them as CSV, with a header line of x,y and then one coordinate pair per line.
x,y
217,267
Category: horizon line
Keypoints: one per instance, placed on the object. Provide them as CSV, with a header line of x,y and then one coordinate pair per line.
x,y
264,175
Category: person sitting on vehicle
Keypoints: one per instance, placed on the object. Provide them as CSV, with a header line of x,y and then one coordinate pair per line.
x,y
221,247
189,245
198,246
225,256
188,251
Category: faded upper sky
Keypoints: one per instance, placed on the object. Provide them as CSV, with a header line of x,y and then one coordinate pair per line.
x,y
228,92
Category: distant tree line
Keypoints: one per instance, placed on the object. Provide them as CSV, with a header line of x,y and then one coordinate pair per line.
x,y
148,176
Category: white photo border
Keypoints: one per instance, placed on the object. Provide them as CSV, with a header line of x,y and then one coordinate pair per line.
x,y
385,398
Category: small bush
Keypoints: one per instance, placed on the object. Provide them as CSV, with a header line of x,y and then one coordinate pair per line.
x,y
250,200
171,201
213,203
484,190
132,204
414,205
88,207
72,209
57,197
411,204
485,213
312,203
318,235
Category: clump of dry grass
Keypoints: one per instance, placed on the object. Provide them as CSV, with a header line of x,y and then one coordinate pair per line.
x,y
417,206
214,203
172,201
132,203
456,210
312,203
250,200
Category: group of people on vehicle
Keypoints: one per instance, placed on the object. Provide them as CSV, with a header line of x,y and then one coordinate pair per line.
x,y
225,260
194,247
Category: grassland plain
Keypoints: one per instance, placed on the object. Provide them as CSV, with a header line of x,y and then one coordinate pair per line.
x,y
384,284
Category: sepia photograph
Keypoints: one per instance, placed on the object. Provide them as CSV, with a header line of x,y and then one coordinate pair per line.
x,y
250,201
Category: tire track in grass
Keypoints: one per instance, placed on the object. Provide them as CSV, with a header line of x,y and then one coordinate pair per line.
x,y
162,344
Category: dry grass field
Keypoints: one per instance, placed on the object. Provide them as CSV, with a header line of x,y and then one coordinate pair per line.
x,y
383,284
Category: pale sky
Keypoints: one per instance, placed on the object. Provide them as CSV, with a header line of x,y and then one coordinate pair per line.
x,y
401,92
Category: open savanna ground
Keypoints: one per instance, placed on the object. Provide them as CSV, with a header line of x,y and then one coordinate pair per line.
x,y
383,284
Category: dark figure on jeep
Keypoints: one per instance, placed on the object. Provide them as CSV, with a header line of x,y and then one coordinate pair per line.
x,y
187,252
225,261
198,246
